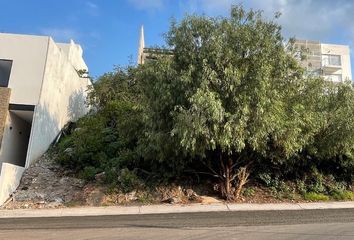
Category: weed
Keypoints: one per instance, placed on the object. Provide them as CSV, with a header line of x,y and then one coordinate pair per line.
x,y
312,196
343,195
145,198
249,192
301,187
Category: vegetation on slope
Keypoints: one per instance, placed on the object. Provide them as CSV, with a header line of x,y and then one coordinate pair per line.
x,y
231,106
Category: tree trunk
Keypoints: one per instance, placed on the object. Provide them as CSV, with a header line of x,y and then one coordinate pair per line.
x,y
226,178
242,176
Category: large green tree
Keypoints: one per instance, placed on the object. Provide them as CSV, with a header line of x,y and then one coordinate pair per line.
x,y
231,93
232,98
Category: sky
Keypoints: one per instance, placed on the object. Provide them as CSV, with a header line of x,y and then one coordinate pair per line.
x,y
108,30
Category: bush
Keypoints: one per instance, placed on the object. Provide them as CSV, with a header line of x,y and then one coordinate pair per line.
x,y
343,195
316,182
249,192
334,186
88,173
317,187
128,180
276,184
301,187
312,196
106,139
266,179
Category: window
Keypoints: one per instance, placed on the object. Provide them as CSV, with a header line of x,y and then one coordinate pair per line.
x,y
333,77
5,70
333,60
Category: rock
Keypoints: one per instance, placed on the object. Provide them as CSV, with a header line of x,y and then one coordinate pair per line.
x,y
172,200
64,180
54,205
58,200
23,196
42,182
53,169
189,192
99,177
69,198
69,151
192,196
131,196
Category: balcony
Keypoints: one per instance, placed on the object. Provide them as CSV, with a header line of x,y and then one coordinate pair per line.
x,y
331,63
333,77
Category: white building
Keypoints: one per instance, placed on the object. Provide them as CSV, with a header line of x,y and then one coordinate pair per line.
x,y
41,89
328,60
331,61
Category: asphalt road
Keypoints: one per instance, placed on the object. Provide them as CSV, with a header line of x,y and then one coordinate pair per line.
x,y
304,224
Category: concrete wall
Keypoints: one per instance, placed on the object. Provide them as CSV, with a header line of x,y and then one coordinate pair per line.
x,y
344,52
16,136
61,100
13,154
74,53
44,74
4,106
10,177
29,56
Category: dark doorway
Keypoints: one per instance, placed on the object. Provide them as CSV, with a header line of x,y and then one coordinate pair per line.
x,y
5,71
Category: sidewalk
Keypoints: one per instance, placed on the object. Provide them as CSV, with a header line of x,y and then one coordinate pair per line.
x,y
165,208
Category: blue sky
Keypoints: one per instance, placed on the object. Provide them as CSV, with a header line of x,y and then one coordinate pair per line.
x,y
108,30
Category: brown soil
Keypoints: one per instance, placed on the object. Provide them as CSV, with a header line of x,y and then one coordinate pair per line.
x,y
46,185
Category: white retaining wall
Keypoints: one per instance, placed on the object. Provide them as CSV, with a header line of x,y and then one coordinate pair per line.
x,y
9,180
62,99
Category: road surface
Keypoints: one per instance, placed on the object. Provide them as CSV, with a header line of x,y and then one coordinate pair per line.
x,y
303,224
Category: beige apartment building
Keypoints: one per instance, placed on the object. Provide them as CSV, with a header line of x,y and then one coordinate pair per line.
x,y
331,61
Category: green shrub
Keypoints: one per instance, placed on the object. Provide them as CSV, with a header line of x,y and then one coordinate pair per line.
x,y
316,182
266,179
249,192
278,187
88,173
128,180
334,187
145,198
317,187
343,195
312,196
284,187
301,187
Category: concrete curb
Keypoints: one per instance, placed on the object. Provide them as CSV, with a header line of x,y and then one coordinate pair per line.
x,y
163,209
